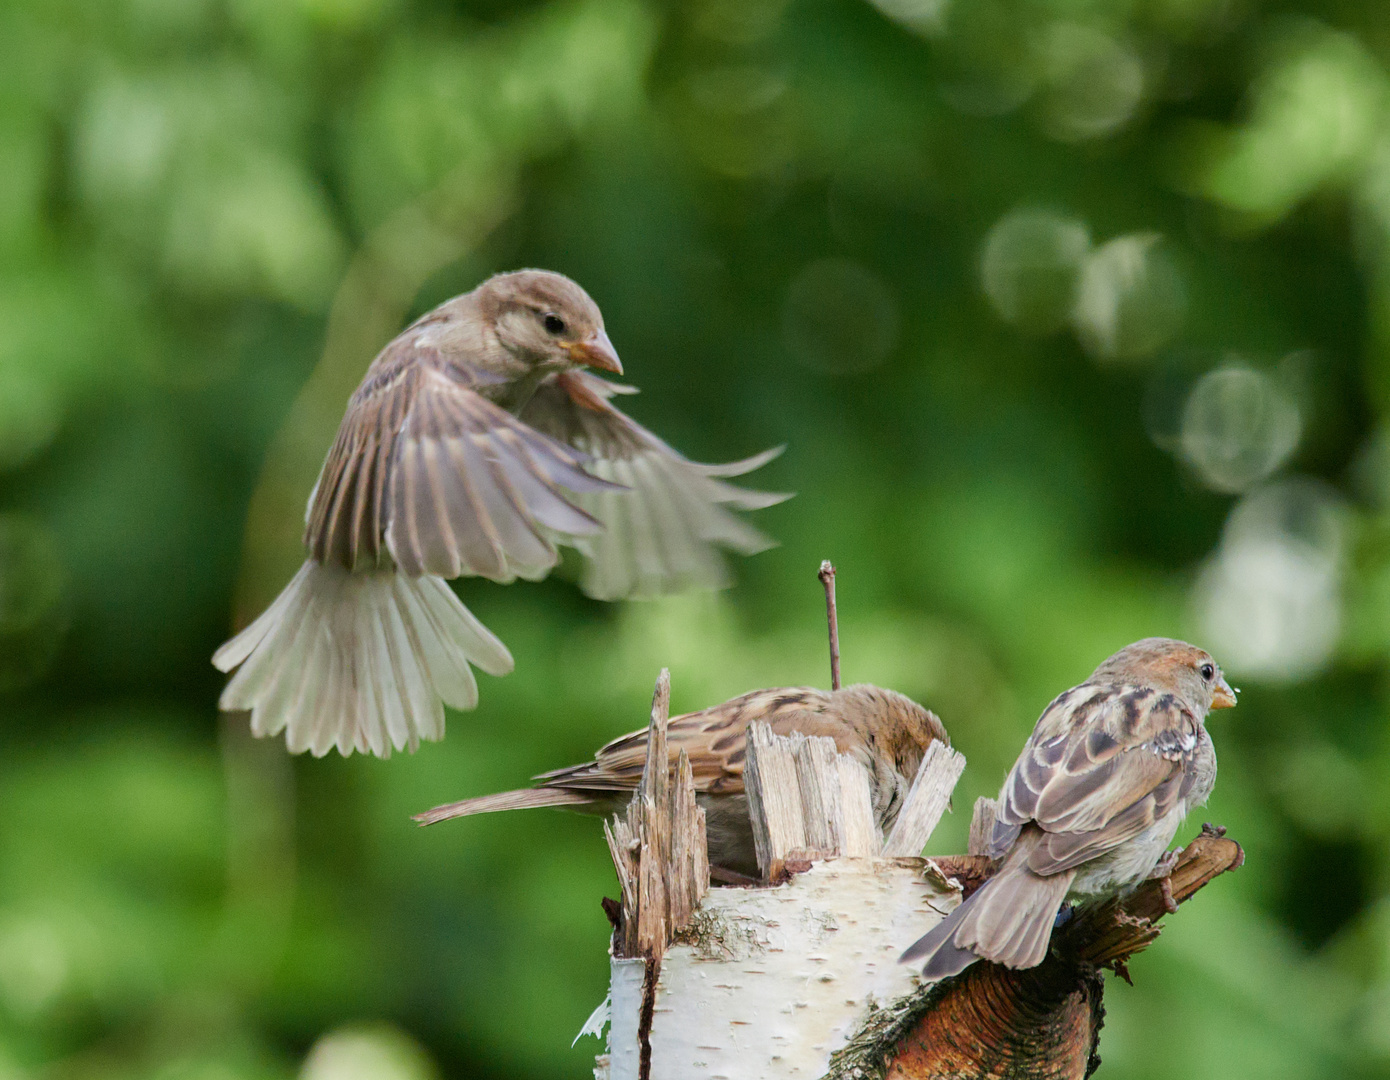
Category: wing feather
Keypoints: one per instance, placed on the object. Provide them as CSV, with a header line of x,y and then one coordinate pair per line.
x,y
666,532
429,473
713,739
1102,765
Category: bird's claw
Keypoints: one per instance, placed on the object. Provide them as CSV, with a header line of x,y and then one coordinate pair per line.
x,y
1163,874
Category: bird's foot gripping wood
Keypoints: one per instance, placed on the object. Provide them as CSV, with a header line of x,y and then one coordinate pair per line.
x,y
1163,874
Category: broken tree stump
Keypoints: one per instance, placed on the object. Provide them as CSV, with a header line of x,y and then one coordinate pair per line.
x,y
769,980
798,975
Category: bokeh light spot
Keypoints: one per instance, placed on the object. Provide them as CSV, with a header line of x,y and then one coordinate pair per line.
x,y
1130,301
30,413
1316,110
1094,82
1238,426
1029,268
1269,597
925,17
34,966
373,1053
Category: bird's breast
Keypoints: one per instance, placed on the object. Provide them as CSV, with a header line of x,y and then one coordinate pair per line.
x,y
1126,866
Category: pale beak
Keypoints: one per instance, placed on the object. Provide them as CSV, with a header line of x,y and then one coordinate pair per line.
x,y
596,352
1222,696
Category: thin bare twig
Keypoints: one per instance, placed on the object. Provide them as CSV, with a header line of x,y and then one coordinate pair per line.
x,y
827,578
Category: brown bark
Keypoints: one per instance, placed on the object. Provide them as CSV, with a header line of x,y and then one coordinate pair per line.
x,y
991,1023
1038,1024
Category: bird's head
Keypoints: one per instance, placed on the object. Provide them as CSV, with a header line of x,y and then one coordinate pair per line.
x,y
547,320
1173,667
895,724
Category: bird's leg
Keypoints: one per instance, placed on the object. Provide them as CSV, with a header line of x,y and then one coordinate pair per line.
x,y
1163,873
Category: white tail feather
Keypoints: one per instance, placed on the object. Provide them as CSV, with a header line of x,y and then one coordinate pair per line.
x,y
361,661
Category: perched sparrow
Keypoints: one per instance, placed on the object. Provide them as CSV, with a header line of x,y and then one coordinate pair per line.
x,y
885,731
474,445
1092,803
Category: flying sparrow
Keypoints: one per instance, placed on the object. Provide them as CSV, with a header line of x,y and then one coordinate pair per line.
x,y
1092,803
885,731
474,446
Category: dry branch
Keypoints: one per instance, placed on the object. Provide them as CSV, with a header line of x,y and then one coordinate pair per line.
x,y
658,846
981,825
827,578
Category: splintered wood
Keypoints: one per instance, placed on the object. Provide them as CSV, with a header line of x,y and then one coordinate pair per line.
x,y
926,801
658,846
799,976
771,981
981,825
806,801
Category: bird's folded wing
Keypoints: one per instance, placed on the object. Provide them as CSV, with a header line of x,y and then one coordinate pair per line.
x,y
1103,764
445,481
714,739
665,532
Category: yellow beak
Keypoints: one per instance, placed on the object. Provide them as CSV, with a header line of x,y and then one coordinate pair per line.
x,y
1223,697
596,352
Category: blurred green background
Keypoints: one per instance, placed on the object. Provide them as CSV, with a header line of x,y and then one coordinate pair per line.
x,y
1073,314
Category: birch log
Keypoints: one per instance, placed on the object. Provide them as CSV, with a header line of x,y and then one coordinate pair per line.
x,y
772,981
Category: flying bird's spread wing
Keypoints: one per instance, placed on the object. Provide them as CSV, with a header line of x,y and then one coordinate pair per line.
x,y
1103,765
429,470
433,475
663,533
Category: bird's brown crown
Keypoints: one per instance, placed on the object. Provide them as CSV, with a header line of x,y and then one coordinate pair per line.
x,y
1172,666
542,292
905,727
541,319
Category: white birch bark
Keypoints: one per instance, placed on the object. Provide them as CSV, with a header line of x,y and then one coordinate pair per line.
x,y
768,982
777,979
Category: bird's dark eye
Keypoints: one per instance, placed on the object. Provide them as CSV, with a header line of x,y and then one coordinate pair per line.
x,y
1208,672
554,324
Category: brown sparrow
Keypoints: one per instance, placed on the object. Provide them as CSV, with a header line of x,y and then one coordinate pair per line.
x,y
474,446
1092,803
885,731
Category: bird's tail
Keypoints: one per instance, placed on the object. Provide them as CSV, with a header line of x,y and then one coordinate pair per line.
x,y
1008,920
522,799
359,661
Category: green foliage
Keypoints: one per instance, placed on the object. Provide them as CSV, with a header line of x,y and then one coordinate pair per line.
x,y
1073,314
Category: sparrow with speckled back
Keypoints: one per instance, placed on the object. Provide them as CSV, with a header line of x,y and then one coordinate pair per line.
x,y
883,730
475,445
1091,805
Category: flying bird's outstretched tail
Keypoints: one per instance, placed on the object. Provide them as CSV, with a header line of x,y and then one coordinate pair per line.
x,y
361,661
